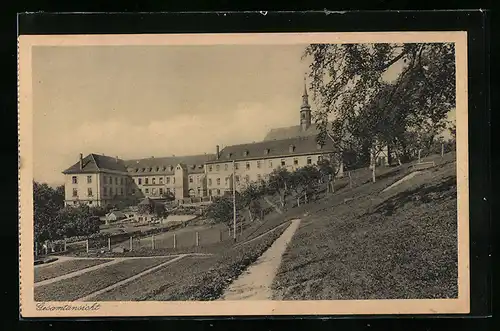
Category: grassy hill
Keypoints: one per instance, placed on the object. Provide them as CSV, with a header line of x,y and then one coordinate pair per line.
x,y
362,243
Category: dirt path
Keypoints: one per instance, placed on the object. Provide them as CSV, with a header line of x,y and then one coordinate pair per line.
x,y
255,283
128,280
259,236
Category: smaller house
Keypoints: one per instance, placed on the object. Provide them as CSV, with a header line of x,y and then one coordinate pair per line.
x,y
114,216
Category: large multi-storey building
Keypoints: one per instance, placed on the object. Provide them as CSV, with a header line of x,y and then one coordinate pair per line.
x,y
96,180
99,179
254,162
180,177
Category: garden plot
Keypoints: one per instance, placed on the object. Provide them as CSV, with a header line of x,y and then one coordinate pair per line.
x,y
65,267
87,283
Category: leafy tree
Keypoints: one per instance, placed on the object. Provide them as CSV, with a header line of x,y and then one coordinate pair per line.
x,y
304,179
77,221
221,209
159,210
279,182
249,198
98,211
146,208
350,83
46,202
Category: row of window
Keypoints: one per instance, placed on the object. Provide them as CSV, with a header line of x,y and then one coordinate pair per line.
x,y
164,168
168,180
260,164
107,180
291,149
107,191
236,178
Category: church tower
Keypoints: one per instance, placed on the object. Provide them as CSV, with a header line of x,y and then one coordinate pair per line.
x,y
305,110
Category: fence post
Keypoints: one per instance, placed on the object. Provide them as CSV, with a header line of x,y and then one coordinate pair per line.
x,y
220,236
197,238
87,245
153,241
350,180
442,150
131,244
175,241
109,243
65,245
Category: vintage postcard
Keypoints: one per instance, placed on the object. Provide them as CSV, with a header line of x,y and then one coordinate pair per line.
x,y
243,174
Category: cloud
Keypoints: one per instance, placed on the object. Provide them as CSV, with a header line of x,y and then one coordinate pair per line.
x,y
180,135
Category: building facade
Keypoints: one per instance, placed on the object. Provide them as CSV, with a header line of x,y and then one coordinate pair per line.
x,y
254,162
96,180
99,180
178,177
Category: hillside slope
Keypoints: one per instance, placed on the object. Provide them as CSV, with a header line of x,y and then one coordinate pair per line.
x,y
363,243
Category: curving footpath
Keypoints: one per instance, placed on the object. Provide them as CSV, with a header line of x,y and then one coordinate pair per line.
x,y
255,283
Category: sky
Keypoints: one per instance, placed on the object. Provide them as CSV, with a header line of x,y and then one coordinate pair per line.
x,y
143,101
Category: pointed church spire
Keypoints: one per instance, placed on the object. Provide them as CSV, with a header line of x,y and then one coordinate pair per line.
x,y
305,97
305,88
305,110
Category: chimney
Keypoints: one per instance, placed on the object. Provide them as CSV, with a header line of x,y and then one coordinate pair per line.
x,y
217,153
81,161
116,158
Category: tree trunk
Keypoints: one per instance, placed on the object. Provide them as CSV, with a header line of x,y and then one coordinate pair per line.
x,y
298,201
250,214
305,197
373,172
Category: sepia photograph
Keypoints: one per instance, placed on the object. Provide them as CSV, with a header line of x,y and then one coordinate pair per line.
x,y
251,174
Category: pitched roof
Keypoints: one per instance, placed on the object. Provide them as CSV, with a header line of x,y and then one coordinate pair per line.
x,y
94,163
165,165
291,132
117,214
275,148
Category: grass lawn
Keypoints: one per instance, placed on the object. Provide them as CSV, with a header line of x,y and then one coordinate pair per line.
x,y
64,268
87,283
185,237
400,244
194,278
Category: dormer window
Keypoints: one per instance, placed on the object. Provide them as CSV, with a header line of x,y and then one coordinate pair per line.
x,y
245,153
164,168
291,148
193,166
229,155
143,169
266,151
200,166
171,168
136,170
150,169
157,168
319,146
